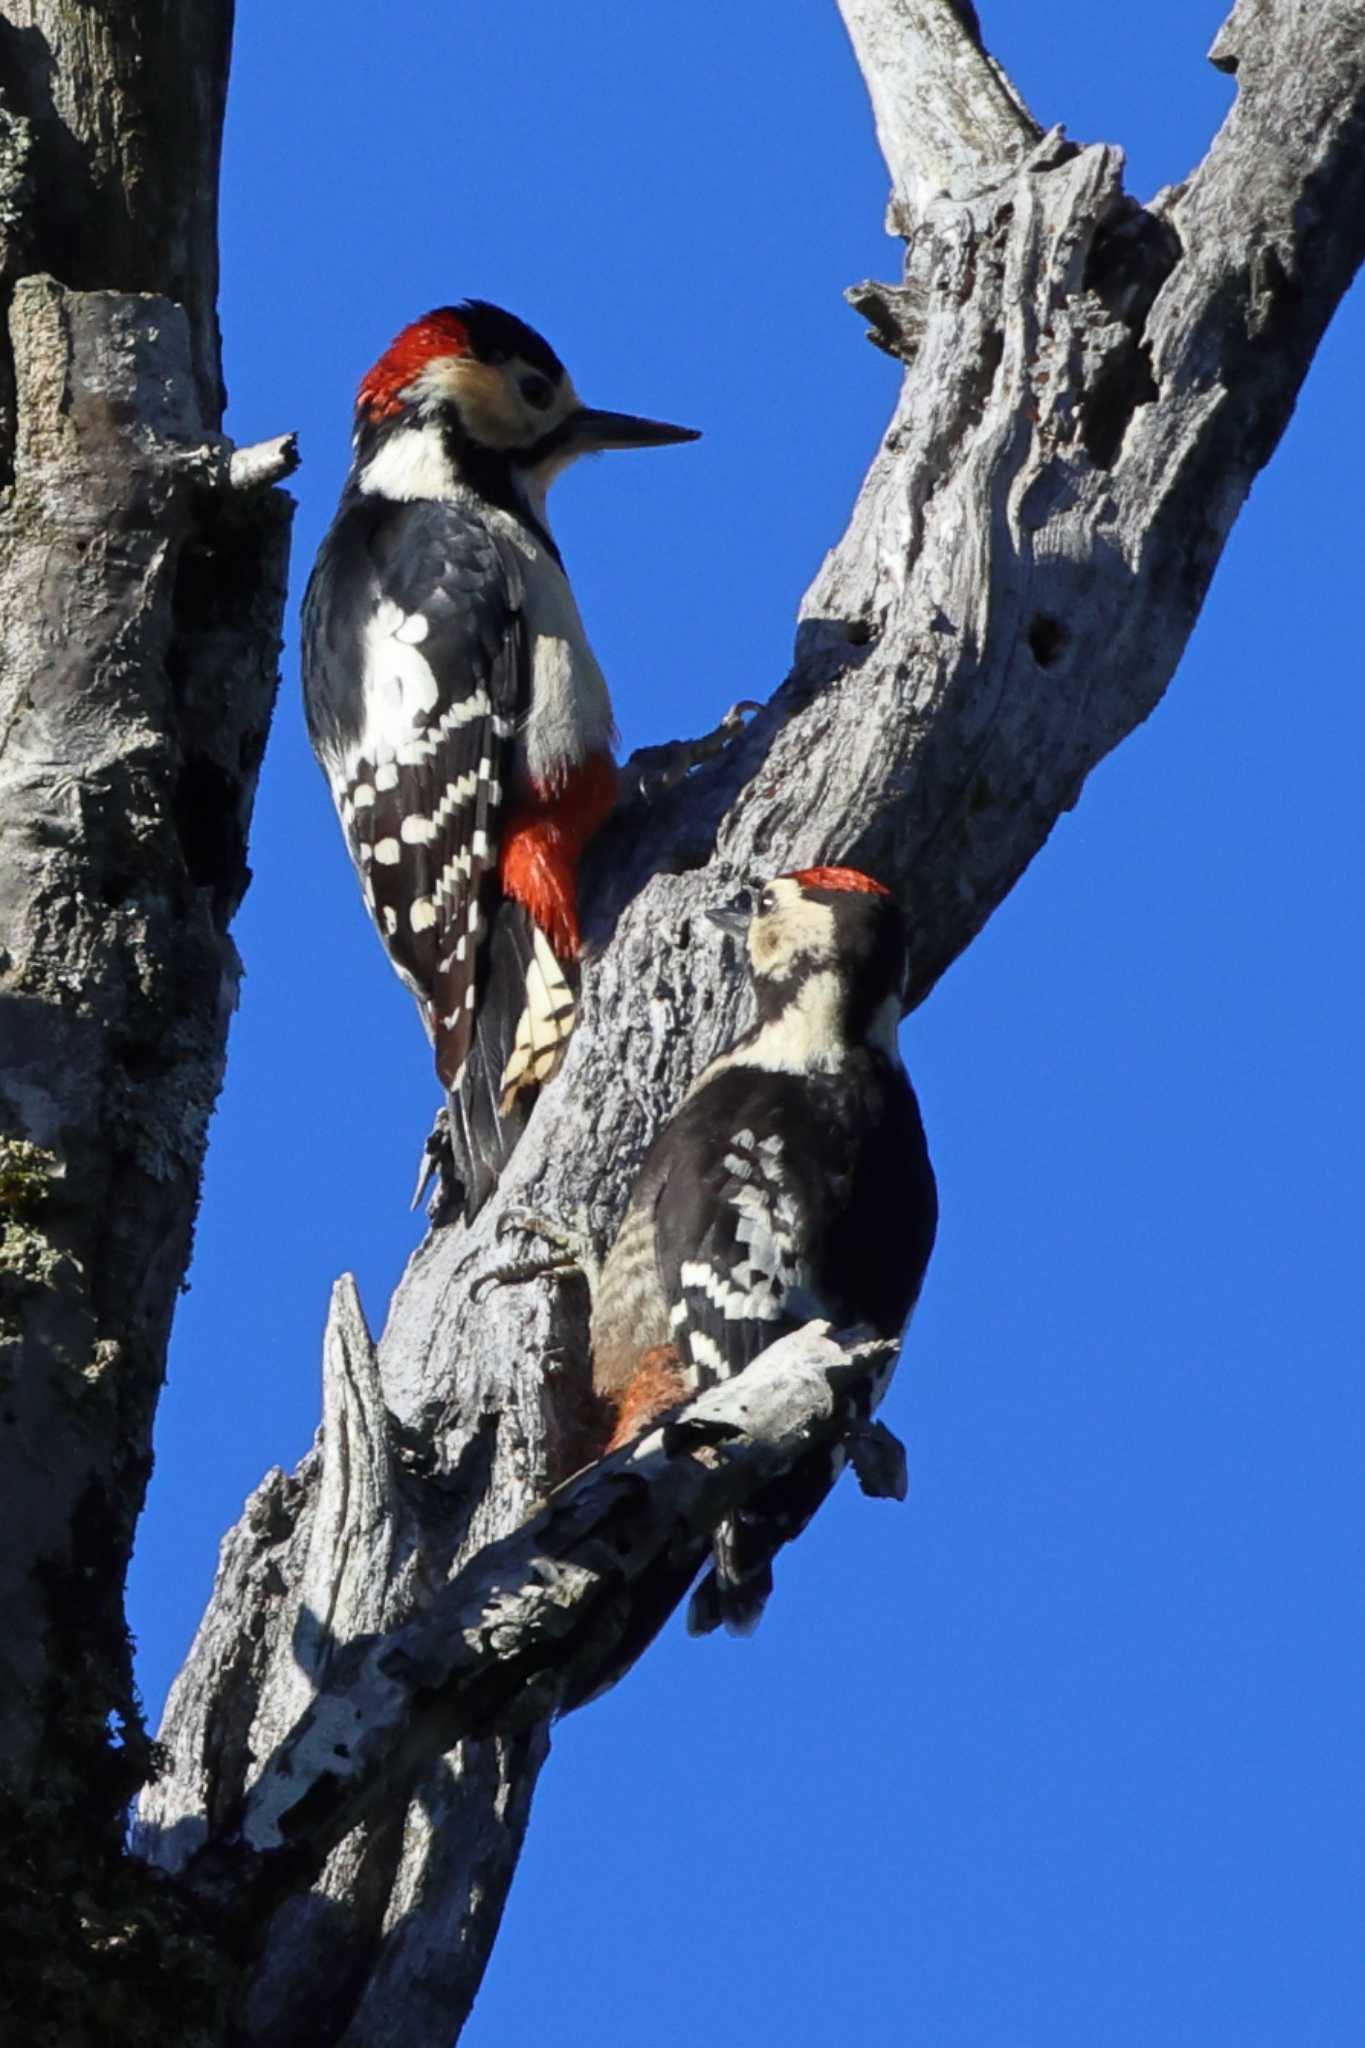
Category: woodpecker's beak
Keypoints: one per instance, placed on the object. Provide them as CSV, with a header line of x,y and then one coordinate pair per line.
x,y
734,916
588,431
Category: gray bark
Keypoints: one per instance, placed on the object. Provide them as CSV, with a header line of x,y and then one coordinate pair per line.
x,y
141,589
1091,386
546,1618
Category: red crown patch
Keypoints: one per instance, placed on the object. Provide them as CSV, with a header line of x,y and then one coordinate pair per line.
x,y
442,333
839,878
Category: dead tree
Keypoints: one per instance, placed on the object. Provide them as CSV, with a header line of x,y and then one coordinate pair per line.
x,y
142,574
1091,385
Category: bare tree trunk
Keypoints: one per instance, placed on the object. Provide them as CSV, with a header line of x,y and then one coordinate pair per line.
x,y
141,589
1091,387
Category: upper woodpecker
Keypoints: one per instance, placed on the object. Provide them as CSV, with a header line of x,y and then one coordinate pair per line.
x,y
455,705
793,1182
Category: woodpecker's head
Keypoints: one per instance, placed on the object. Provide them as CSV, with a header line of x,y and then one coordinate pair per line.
x,y
480,390
827,945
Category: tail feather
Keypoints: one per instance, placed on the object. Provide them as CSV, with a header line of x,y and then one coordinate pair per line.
x,y
487,1117
735,1590
549,1008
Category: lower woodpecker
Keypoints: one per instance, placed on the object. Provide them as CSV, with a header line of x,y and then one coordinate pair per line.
x,y
794,1182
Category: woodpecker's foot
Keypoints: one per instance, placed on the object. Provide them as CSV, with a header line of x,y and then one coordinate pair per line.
x,y
573,1250
438,1164
652,770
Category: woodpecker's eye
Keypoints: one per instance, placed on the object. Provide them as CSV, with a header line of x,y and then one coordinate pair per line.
x,y
537,391
766,902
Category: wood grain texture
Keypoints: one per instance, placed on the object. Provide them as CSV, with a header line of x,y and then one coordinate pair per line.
x,y
141,593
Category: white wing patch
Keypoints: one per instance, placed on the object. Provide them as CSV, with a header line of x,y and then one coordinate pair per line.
x,y
737,1299
707,1355
400,692
400,696
768,1277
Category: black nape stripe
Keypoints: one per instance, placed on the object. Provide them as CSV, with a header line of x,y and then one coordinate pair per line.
x,y
492,474
489,472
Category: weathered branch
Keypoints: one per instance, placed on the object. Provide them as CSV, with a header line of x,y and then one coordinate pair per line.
x,y
1092,386
948,119
265,462
140,601
138,610
549,1616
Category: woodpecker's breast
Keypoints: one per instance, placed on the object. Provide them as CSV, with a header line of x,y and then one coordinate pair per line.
x,y
569,716
630,1313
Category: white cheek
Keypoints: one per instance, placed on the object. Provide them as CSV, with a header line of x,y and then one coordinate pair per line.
x,y
412,463
492,408
497,423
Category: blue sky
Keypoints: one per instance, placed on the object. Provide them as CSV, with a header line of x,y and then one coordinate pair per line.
x,y
1067,1750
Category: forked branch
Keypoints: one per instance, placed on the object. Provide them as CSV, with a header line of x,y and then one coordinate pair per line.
x,y
1092,385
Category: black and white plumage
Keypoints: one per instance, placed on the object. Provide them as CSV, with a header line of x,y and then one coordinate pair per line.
x,y
455,705
793,1182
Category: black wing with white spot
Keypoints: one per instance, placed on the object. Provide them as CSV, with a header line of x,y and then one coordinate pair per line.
x,y
415,677
735,1284
782,1198
734,1227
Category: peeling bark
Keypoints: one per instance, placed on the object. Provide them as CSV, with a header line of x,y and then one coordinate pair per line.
x,y
548,1617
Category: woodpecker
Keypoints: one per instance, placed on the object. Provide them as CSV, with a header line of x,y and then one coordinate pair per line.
x,y
455,705
794,1181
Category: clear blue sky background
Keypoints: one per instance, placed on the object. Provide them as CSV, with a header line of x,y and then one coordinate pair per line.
x,y
1068,1750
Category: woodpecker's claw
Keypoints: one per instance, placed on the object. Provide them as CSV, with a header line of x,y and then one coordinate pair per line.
x,y
652,770
438,1164
573,1244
